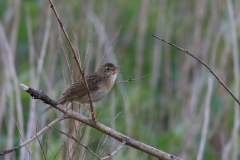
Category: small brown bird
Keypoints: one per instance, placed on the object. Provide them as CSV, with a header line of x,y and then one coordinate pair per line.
x,y
99,84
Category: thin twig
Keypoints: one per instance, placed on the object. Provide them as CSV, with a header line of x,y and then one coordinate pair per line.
x,y
199,60
110,44
51,150
132,79
88,47
118,149
76,59
76,43
67,59
113,121
102,146
34,137
88,143
45,156
79,129
49,135
15,120
46,147
99,143
60,148
107,137
73,138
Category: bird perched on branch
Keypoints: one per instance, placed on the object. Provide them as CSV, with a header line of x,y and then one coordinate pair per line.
x,y
99,84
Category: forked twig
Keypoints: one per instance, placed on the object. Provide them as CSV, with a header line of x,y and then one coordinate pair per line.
x,y
110,44
199,60
76,59
132,79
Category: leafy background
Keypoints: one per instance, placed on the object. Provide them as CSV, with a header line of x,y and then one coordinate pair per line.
x,y
180,108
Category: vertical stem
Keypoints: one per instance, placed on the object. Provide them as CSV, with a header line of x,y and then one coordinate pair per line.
x,y
77,60
236,78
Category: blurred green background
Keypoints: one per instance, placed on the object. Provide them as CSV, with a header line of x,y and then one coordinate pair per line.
x,y
180,108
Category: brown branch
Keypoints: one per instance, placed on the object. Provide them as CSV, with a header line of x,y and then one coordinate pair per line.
x,y
76,59
199,60
99,126
132,79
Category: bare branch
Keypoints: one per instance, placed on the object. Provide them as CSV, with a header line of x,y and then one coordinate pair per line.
x,y
199,60
132,79
118,149
76,59
99,126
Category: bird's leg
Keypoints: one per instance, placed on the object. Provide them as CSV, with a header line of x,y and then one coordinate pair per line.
x,y
90,110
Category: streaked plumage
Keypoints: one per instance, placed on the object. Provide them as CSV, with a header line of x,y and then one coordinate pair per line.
x,y
99,84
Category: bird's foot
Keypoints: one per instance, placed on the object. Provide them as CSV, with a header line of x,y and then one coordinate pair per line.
x,y
90,110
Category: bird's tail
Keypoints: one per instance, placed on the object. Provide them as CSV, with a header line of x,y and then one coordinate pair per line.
x,y
61,101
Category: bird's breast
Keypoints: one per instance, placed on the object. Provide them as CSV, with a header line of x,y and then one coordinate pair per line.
x,y
111,81
99,94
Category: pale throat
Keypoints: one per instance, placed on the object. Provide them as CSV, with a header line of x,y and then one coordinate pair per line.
x,y
111,81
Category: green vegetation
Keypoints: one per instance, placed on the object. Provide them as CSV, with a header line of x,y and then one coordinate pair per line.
x,y
166,110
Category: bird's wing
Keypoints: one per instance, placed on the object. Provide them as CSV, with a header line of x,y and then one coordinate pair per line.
x,y
78,88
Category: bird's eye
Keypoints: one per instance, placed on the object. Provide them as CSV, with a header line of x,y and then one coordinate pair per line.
x,y
108,68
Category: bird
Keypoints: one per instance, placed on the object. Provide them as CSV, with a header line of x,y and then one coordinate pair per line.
x,y
99,84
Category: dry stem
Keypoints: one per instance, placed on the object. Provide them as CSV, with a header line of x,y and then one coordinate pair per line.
x,y
76,59
73,138
110,44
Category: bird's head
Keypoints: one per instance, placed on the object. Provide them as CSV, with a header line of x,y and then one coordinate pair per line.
x,y
109,69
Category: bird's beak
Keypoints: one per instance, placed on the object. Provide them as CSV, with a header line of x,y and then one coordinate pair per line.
x,y
115,69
